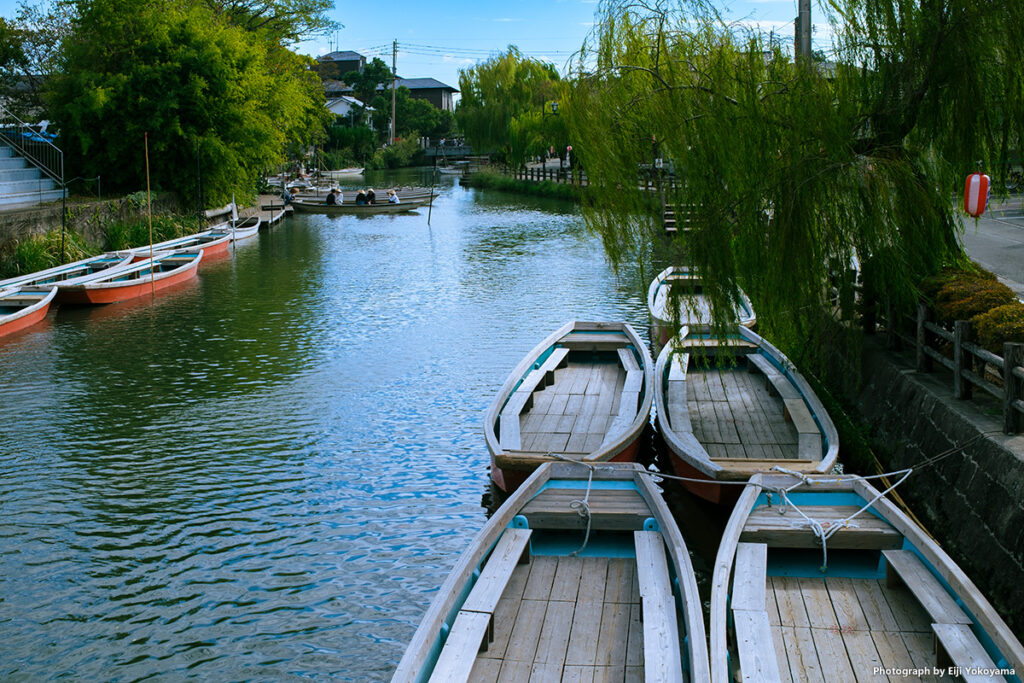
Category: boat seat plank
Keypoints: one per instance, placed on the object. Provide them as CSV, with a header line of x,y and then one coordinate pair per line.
x,y
522,398
957,643
866,531
609,509
755,645
748,585
661,632
594,341
800,416
460,650
512,549
783,387
628,360
939,604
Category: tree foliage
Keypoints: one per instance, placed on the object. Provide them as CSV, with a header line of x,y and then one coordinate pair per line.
x,y
501,104
364,83
795,170
206,91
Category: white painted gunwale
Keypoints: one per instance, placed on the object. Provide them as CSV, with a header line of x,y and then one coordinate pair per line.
x,y
33,279
412,666
693,452
607,451
662,318
43,302
973,600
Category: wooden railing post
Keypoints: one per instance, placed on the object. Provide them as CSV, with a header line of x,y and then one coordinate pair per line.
x,y
961,385
924,362
1013,386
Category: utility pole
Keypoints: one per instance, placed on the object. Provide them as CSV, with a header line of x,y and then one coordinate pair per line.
x,y
803,29
394,81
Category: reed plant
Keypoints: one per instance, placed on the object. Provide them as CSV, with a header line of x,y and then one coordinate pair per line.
x,y
40,252
136,232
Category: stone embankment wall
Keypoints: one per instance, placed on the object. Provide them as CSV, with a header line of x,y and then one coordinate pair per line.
x,y
88,219
973,500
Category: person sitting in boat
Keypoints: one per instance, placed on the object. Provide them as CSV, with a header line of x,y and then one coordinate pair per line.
x,y
332,198
371,196
392,197
361,198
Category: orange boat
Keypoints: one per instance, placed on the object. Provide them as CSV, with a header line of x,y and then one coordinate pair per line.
x,y
127,282
21,308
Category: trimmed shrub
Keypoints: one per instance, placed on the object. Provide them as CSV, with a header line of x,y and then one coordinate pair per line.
x,y
1001,324
961,295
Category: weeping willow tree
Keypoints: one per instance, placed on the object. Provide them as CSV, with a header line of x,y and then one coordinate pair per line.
x,y
796,169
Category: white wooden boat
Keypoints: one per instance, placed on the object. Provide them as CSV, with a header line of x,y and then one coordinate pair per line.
x,y
308,206
343,172
883,598
694,308
724,416
583,393
143,276
244,229
68,271
21,308
538,596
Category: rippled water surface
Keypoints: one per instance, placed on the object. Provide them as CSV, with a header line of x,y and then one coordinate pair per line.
x,y
266,473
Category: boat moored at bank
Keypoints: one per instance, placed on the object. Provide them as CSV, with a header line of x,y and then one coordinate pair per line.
x,y
684,287
21,308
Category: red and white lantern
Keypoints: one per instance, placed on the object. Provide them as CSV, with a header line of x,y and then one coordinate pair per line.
x,y
976,194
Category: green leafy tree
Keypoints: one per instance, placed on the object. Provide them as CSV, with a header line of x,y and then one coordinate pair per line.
x,y
796,170
202,88
497,92
420,116
364,84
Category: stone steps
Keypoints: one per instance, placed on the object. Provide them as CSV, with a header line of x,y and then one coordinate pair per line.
x,y
22,184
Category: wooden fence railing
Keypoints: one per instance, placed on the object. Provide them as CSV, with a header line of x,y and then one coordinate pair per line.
x,y
956,350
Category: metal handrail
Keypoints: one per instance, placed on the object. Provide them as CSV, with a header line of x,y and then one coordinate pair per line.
x,y
32,144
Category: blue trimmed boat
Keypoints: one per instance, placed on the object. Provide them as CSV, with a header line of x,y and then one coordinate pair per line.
x,y
822,578
693,308
581,574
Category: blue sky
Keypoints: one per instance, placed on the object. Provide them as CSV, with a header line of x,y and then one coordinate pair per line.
x,y
437,39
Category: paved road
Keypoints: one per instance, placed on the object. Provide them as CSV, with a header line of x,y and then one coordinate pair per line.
x,y
996,242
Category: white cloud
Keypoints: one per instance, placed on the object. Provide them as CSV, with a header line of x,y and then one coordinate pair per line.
x,y
457,60
505,20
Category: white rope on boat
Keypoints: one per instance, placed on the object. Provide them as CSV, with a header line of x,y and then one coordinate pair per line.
x,y
580,505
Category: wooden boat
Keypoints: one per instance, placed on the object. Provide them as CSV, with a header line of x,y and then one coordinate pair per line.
x,y
343,172
135,279
68,271
583,393
349,196
21,308
883,597
695,309
307,206
245,228
213,241
540,595
726,415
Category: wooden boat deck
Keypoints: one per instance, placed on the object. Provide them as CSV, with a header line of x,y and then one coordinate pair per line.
x,y
840,629
734,416
567,619
572,416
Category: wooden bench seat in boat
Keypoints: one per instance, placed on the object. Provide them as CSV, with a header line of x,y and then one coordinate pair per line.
x,y
522,399
795,410
658,609
956,645
593,341
630,396
474,625
610,509
866,531
754,642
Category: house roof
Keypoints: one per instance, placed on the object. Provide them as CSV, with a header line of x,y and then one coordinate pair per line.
x,y
343,56
351,101
424,84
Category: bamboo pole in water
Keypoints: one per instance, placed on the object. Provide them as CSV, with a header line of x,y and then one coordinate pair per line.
x,y
149,218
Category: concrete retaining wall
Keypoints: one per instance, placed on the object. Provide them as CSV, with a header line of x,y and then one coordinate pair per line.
x,y
89,219
971,501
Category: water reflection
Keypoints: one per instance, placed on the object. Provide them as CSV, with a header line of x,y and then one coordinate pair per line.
x,y
266,473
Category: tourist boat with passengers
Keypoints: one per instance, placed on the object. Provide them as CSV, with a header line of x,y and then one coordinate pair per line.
x,y
822,578
69,271
405,194
346,209
686,286
144,276
543,593
584,393
21,308
737,406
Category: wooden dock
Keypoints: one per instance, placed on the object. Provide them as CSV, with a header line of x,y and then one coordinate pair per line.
x,y
271,208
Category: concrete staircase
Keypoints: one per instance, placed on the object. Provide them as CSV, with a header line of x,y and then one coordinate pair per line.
x,y
22,184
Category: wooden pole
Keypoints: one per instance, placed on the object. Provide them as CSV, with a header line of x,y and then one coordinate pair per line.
x,y
924,362
961,385
149,218
1013,386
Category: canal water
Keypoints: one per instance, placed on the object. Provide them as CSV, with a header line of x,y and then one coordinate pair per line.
x,y
265,473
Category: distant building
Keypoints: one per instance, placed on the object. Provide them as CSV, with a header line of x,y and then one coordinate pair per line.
x,y
344,107
335,65
431,90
